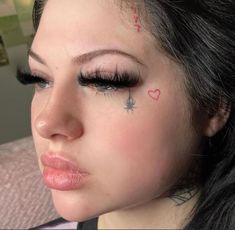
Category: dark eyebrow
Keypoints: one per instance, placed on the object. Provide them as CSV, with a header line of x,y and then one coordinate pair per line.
x,y
86,57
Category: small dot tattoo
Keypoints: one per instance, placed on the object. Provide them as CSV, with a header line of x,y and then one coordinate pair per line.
x,y
130,103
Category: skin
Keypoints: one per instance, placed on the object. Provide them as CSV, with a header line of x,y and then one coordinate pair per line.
x,y
131,157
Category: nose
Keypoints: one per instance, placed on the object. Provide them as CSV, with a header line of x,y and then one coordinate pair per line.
x,y
59,118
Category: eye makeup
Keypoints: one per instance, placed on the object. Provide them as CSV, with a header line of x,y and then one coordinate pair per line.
x,y
109,81
100,80
27,78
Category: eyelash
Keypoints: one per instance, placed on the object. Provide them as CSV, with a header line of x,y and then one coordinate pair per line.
x,y
27,78
103,82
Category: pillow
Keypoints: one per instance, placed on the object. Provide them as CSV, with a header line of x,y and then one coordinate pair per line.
x,y
24,200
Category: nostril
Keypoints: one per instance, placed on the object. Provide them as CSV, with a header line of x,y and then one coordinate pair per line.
x,y
57,137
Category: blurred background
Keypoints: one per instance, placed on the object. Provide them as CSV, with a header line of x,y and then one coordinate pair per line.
x,y
16,33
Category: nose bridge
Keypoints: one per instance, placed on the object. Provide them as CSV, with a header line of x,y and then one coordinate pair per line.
x,y
60,116
59,103
62,99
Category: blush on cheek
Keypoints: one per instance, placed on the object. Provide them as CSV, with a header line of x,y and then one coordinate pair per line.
x,y
127,140
137,148
132,143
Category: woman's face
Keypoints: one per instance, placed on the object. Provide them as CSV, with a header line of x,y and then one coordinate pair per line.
x,y
133,139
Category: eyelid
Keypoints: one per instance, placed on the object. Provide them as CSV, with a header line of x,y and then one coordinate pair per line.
x,y
117,79
41,74
116,71
27,78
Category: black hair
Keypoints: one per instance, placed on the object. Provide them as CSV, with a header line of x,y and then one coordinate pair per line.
x,y
200,36
37,12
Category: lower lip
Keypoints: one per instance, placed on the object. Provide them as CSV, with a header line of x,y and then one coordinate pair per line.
x,y
63,180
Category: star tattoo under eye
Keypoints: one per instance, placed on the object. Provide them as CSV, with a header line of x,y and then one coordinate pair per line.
x,y
130,103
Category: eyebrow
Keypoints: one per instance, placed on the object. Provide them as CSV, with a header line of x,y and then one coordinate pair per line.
x,y
87,57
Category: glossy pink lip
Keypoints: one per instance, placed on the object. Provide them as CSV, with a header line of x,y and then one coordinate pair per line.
x,y
61,174
58,162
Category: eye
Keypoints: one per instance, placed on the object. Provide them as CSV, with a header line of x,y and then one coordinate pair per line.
x,y
105,88
39,82
108,82
43,84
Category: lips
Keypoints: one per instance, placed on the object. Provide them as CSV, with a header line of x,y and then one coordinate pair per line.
x,y
61,174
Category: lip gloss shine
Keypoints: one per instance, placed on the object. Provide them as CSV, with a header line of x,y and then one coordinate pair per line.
x,y
61,174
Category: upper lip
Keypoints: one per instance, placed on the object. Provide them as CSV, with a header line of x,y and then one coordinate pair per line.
x,y
58,162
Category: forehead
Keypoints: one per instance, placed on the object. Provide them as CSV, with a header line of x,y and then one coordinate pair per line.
x,y
80,13
89,24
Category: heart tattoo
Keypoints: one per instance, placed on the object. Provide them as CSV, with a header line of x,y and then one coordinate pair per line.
x,y
154,94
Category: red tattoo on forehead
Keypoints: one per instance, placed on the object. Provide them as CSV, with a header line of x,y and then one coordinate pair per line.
x,y
138,27
134,9
136,18
154,94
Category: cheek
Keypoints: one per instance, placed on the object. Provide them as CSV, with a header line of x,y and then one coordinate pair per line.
x,y
134,151
140,139
149,150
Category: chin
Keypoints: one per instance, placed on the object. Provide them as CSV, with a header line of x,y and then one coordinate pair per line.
x,y
73,208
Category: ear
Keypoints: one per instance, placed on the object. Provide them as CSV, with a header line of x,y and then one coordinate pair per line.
x,y
216,122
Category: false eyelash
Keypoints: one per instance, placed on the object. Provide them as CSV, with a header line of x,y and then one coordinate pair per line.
x,y
26,78
114,80
97,78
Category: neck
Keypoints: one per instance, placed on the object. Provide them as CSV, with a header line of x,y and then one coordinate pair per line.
x,y
160,213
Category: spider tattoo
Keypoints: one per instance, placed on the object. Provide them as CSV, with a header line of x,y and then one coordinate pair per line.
x,y
130,103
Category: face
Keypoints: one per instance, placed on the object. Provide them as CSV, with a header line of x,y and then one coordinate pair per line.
x,y
111,104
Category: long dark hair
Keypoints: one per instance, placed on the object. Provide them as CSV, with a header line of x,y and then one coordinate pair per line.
x,y
200,36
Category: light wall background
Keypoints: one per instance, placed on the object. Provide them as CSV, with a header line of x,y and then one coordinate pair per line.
x,y
15,99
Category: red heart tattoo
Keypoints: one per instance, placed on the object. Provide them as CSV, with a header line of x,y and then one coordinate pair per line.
x,y
154,94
